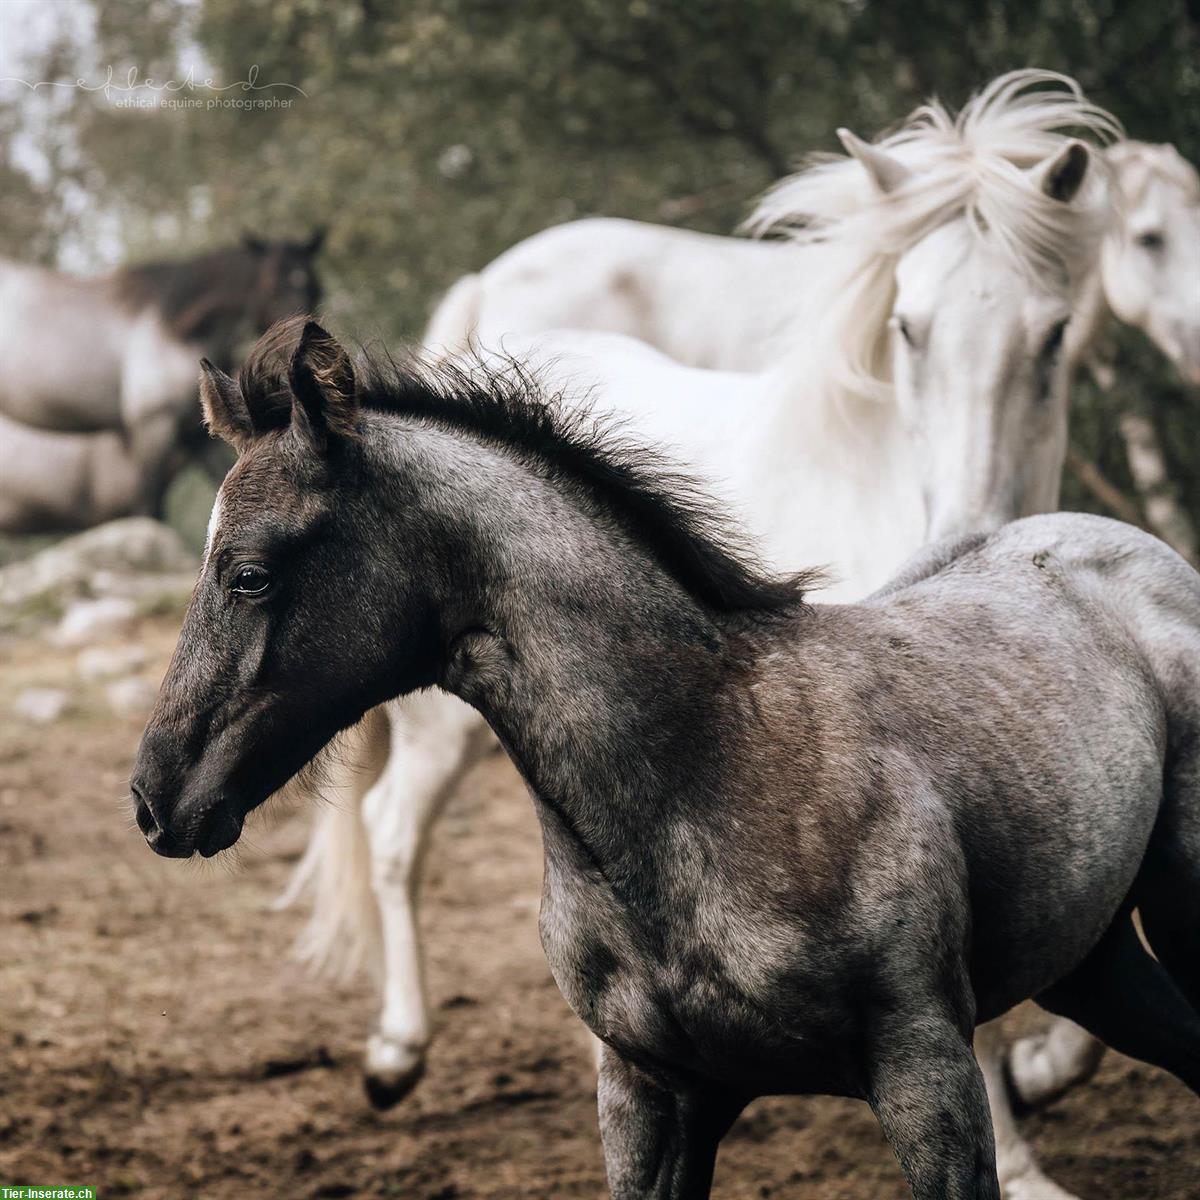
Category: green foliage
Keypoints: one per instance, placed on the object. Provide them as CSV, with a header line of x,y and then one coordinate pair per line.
x,y
433,134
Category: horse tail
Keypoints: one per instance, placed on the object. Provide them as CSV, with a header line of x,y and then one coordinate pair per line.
x,y
454,321
343,935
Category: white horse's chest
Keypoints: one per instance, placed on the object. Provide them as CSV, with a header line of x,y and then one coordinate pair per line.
x,y
159,372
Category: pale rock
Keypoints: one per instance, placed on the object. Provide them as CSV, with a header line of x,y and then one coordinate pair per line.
x,y
107,662
131,697
93,620
41,706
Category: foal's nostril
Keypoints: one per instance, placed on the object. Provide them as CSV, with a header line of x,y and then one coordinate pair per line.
x,y
147,821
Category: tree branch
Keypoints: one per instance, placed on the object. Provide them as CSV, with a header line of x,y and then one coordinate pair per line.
x,y
1104,490
742,127
1148,467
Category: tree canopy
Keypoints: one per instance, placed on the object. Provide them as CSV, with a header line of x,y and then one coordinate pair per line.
x,y
430,135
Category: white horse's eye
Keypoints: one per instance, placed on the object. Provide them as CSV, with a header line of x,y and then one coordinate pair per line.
x,y
1151,239
902,327
1054,340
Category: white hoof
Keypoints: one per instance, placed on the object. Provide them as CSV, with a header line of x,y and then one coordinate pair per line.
x,y
1033,1186
1042,1068
393,1068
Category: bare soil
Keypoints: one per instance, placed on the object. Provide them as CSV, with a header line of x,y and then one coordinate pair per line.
x,y
156,1041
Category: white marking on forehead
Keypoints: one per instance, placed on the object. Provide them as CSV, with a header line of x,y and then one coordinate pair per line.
x,y
214,521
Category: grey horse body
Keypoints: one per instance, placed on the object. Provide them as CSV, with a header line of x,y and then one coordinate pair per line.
x,y
786,849
98,398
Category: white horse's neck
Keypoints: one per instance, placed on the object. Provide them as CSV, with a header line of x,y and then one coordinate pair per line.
x,y
835,483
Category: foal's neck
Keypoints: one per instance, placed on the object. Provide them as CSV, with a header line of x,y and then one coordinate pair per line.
x,y
600,673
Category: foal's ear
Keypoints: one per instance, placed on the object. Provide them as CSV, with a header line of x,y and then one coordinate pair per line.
x,y
886,171
324,405
1062,176
225,411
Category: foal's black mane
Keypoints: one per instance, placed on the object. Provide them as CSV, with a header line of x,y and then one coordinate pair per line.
x,y
658,504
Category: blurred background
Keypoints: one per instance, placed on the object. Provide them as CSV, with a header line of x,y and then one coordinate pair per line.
x,y
430,135
155,1038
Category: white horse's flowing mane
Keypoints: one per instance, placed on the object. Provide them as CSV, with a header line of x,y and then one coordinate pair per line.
x,y
975,165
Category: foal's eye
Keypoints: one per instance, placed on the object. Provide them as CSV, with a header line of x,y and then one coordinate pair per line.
x,y
1150,240
1053,343
904,329
253,579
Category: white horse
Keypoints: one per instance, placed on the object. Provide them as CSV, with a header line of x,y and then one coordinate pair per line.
x,y
922,392
1150,263
712,301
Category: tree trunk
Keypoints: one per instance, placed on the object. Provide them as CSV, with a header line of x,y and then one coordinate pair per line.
x,y
1147,466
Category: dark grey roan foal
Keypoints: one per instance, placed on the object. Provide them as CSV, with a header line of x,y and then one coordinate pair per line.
x,y
787,849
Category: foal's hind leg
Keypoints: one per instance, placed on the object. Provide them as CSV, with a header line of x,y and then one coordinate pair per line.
x,y
435,740
1124,996
1168,888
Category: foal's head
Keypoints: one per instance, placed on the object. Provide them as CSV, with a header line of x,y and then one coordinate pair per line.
x,y
294,628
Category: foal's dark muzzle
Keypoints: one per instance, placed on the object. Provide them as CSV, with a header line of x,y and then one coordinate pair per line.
x,y
177,814
207,833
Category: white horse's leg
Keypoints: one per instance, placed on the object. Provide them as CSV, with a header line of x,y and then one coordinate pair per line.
x,y
1042,1068
435,740
1020,1176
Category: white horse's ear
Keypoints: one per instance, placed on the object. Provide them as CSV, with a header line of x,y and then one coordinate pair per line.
x,y
1062,176
886,171
225,411
324,403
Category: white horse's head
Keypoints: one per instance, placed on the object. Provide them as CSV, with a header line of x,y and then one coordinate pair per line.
x,y
958,249
1150,263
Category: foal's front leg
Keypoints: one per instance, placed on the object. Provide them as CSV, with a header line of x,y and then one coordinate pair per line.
x,y
659,1144
928,1092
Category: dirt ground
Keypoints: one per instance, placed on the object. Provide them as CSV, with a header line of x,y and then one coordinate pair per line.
x,y
156,1041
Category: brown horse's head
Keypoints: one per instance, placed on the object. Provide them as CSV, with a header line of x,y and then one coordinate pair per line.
x,y
286,282
222,300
